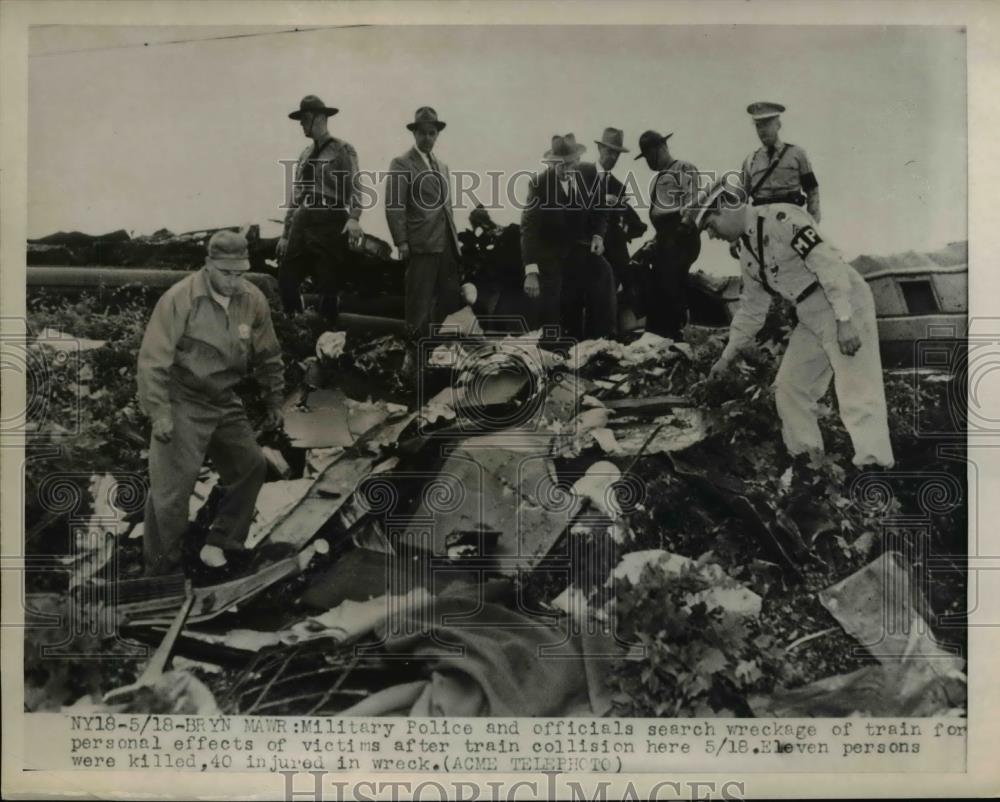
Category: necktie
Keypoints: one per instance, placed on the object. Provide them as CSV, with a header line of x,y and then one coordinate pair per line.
x,y
440,178
770,152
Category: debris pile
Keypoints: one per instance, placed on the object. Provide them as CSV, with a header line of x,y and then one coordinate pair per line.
x,y
368,273
163,248
644,526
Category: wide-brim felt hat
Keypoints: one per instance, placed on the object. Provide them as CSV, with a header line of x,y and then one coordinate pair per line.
x,y
563,147
613,138
311,104
649,140
425,114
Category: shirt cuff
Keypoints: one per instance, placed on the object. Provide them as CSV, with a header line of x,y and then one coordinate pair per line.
x,y
841,309
530,270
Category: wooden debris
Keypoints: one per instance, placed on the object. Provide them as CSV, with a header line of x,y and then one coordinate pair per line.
x,y
655,405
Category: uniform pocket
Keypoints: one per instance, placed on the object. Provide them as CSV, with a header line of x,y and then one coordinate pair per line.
x,y
785,176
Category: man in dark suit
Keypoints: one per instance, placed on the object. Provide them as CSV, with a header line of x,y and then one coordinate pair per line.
x,y
624,223
418,210
562,245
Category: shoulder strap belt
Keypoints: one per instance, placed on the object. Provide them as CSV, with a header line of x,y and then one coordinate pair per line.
x,y
666,169
759,255
770,169
762,273
806,292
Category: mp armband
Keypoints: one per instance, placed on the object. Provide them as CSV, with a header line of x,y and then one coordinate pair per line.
x,y
805,239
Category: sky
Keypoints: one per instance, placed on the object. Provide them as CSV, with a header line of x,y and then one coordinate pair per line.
x,y
129,131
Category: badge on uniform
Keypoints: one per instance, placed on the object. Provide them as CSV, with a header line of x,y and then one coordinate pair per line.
x,y
805,240
244,331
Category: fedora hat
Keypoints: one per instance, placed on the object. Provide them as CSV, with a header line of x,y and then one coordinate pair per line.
x,y
425,114
649,140
311,104
563,147
612,138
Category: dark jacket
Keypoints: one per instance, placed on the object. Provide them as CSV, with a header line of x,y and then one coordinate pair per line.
x,y
551,224
624,224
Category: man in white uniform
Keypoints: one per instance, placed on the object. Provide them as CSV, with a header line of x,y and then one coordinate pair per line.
x,y
784,254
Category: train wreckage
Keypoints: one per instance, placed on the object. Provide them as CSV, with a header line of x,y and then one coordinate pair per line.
x,y
524,503
914,292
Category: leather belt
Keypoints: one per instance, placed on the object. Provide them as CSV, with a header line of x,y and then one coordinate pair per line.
x,y
797,199
806,292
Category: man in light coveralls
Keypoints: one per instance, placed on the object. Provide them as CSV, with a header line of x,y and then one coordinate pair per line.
x,y
207,332
836,337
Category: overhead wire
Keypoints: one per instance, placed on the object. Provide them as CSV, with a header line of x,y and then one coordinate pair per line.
x,y
195,39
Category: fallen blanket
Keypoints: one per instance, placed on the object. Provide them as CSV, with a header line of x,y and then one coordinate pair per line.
x,y
524,665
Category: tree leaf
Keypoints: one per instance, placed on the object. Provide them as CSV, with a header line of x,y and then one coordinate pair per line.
x,y
712,660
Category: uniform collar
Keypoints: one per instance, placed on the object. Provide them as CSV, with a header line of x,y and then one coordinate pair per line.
x,y
318,146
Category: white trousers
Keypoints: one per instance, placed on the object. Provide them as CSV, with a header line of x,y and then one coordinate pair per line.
x,y
812,358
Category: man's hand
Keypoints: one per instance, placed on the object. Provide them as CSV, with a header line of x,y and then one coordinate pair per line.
x,y
353,230
848,338
274,419
717,386
404,252
531,286
282,247
163,429
719,368
597,245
